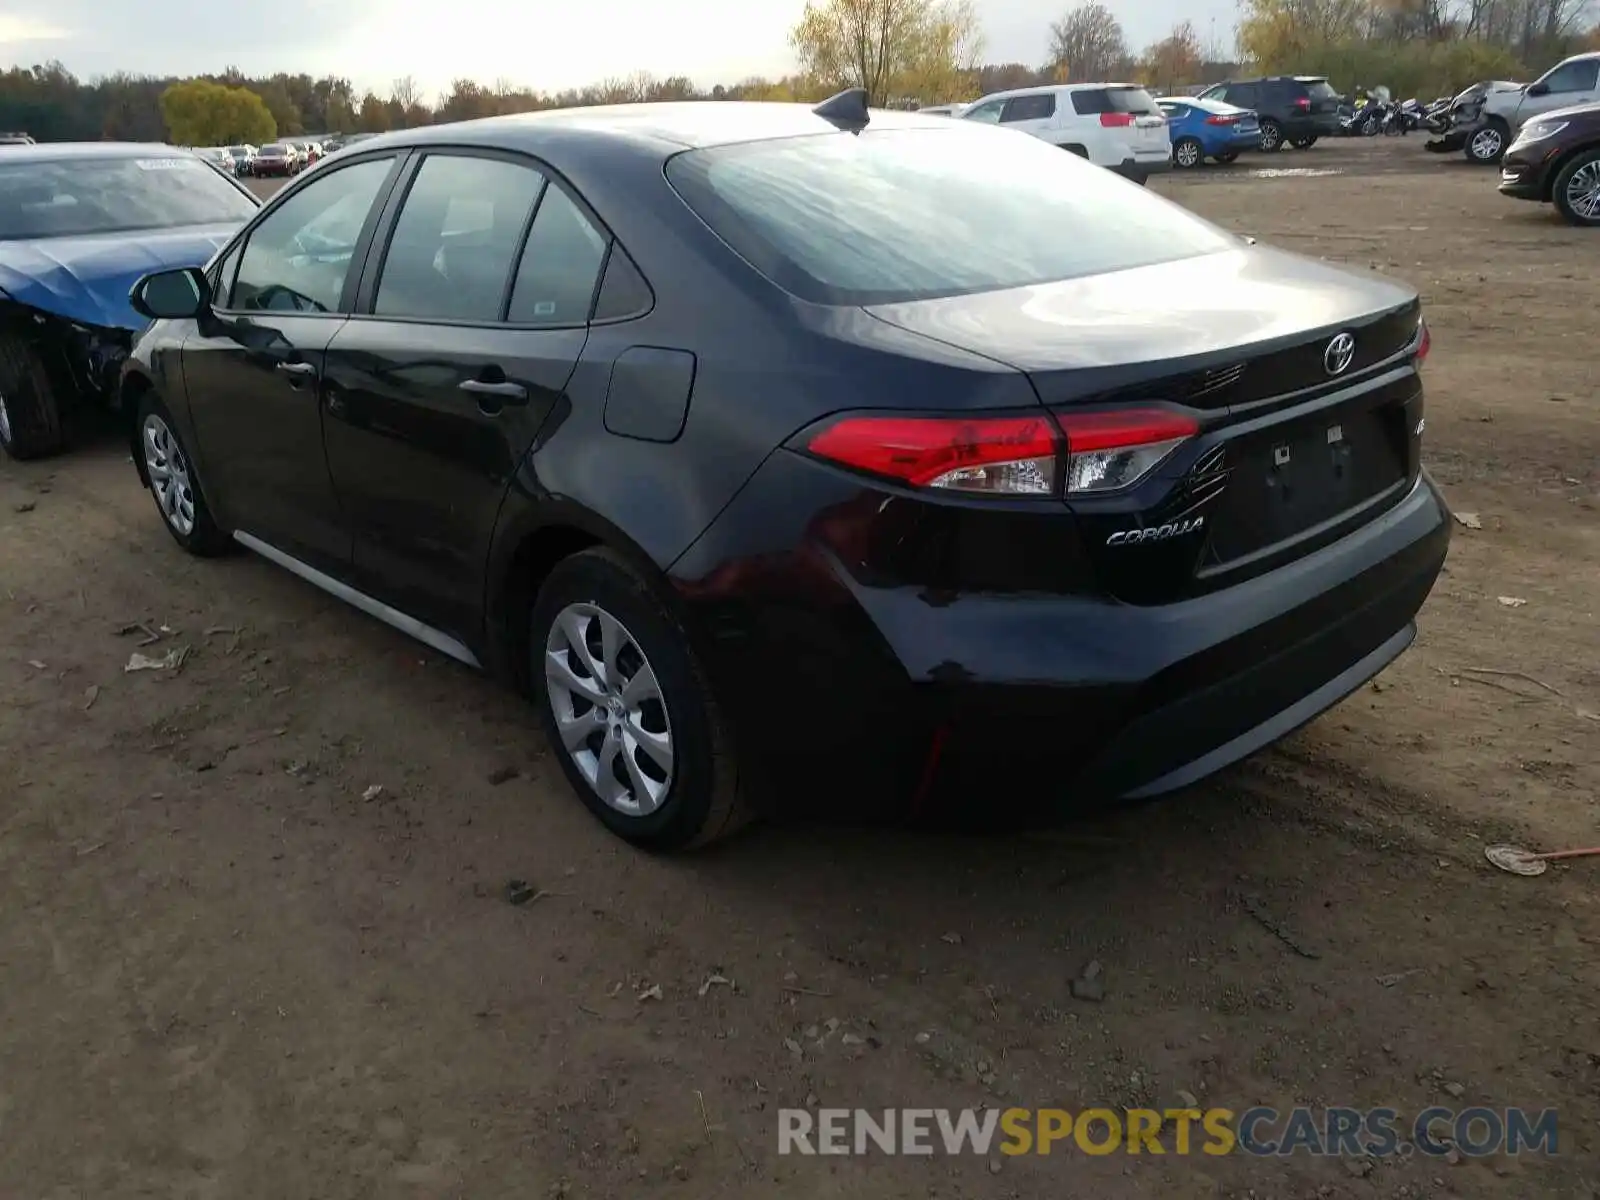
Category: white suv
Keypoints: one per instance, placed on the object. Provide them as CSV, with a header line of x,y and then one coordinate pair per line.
x,y
1114,125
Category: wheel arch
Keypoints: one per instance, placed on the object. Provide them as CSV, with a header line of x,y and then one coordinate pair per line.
x,y
1552,172
135,386
530,540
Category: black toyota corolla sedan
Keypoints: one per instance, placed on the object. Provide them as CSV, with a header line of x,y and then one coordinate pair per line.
x,y
797,458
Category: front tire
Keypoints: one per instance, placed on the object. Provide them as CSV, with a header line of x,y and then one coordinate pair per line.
x,y
170,474
1304,143
628,708
1488,145
1187,154
1228,156
30,410
1576,191
1271,136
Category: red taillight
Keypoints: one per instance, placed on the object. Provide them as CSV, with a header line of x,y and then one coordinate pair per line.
x,y
999,455
1116,120
1222,120
1117,448
1424,343
1302,103
1008,456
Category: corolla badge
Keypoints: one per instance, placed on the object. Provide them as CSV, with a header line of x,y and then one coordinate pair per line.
x,y
1156,533
1341,352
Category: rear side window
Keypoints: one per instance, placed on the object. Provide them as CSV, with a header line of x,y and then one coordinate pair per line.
x,y
1242,94
560,266
914,214
1039,107
1094,101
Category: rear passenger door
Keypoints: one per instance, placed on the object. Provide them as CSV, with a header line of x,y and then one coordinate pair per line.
x,y
466,330
1033,113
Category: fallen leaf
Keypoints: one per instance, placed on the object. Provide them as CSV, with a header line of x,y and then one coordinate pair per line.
x,y
715,981
37,665
1511,601
90,695
373,792
1468,519
653,992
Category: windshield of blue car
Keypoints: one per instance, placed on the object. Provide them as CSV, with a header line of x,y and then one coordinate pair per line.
x,y
74,196
900,215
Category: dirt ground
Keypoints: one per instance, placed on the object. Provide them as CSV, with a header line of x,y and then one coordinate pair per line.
x,y
227,972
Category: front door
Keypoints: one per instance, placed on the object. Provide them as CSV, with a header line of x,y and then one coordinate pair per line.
x,y
462,345
254,367
1572,82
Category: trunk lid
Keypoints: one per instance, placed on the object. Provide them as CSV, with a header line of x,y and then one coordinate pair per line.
x,y
1290,452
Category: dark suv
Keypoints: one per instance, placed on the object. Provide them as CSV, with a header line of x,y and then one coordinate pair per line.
x,y
1556,160
1297,109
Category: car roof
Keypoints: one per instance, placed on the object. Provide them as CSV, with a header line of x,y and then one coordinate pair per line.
x,y
661,129
1039,89
68,151
1204,104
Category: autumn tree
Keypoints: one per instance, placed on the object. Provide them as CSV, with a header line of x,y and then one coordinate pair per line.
x,y
373,116
200,113
1272,33
1087,45
1174,60
892,48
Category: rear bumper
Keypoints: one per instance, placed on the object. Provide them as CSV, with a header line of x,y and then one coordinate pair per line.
x,y
867,695
1452,139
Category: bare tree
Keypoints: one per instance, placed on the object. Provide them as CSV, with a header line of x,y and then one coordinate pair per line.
x,y
1088,43
405,92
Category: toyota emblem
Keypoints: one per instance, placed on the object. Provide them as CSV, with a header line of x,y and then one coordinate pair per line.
x,y
1341,352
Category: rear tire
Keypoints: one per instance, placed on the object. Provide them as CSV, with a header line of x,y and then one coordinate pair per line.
x,y
31,424
1271,136
628,709
1576,191
1304,143
1228,156
1187,154
174,483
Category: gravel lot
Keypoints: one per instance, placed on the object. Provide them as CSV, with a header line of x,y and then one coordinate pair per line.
x,y
226,973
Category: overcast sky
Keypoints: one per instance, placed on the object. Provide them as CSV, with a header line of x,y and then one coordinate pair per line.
x,y
546,45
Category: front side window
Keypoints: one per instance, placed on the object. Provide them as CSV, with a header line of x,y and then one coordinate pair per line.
x,y
1243,95
456,239
901,215
1576,76
298,258
988,114
71,196
560,266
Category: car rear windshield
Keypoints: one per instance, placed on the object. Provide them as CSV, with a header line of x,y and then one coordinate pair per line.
x,y
899,215
274,150
1135,100
66,197
1319,89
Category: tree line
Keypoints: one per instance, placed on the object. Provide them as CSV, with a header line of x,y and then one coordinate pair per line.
x,y
904,52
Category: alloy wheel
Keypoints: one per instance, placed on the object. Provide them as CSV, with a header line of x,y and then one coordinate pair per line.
x,y
1486,144
1188,154
1583,192
609,710
1271,138
170,480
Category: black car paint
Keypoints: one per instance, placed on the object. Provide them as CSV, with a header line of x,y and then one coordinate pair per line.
x,y
1528,170
831,610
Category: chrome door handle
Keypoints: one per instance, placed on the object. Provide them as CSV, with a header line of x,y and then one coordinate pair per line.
x,y
297,368
507,392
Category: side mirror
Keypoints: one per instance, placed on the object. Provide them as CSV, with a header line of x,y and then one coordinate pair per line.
x,y
171,295
1538,89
